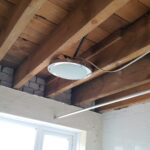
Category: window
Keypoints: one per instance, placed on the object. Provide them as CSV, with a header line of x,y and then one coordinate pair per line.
x,y
22,135
51,142
14,136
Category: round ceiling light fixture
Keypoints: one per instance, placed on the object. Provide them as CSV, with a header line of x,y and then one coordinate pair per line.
x,y
70,70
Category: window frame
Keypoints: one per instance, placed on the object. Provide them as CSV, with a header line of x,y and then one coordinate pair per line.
x,y
42,129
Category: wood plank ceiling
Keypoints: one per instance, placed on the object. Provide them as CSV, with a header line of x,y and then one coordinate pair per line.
x,y
32,32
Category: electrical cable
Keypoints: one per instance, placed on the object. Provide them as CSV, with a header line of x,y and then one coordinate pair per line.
x,y
120,69
79,46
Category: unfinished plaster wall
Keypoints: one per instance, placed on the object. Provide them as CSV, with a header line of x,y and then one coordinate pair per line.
x,y
36,86
39,108
127,129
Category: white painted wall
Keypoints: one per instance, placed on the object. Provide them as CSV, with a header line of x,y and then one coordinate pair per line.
x,y
34,107
127,129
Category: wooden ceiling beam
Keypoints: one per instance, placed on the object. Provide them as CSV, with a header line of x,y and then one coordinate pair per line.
x,y
126,103
114,51
99,47
21,16
135,75
58,85
77,24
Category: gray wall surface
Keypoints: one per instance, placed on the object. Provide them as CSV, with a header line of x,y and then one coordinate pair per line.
x,y
43,109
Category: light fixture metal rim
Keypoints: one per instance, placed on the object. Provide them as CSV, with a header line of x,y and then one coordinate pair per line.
x,y
55,63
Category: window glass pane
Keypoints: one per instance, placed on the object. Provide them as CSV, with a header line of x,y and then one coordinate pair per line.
x,y
53,142
15,136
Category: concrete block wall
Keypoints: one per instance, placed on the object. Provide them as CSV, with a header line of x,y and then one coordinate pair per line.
x,y
6,76
35,86
64,97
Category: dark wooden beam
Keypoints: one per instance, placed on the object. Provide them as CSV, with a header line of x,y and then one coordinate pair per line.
x,y
114,51
126,103
77,24
135,75
21,16
57,85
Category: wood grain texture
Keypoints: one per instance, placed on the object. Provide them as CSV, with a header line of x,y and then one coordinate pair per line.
x,y
52,12
127,46
5,8
132,10
97,35
57,86
37,30
20,50
13,1
145,2
135,75
22,15
81,21
68,5
126,103
114,23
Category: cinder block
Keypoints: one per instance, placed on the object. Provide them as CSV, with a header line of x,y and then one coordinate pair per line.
x,y
33,79
6,77
40,81
27,84
4,83
85,105
42,88
8,70
2,75
63,97
33,85
39,93
28,90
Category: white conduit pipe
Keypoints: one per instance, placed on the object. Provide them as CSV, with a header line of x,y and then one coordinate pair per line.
x,y
105,104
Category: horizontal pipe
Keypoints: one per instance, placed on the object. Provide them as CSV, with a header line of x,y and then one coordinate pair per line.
x,y
105,104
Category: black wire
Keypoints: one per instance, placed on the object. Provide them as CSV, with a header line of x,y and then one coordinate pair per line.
x,y
79,46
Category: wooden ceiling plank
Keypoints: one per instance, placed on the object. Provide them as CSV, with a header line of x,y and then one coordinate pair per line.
x,y
22,15
126,103
97,35
93,51
113,24
58,86
68,5
5,9
37,30
77,24
125,47
52,12
130,102
135,75
133,10
13,1
145,2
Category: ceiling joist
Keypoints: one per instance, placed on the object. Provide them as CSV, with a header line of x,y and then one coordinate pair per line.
x,y
135,75
58,85
115,51
77,24
21,16
126,103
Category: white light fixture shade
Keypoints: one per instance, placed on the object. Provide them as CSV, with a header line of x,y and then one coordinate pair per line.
x,y
69,70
